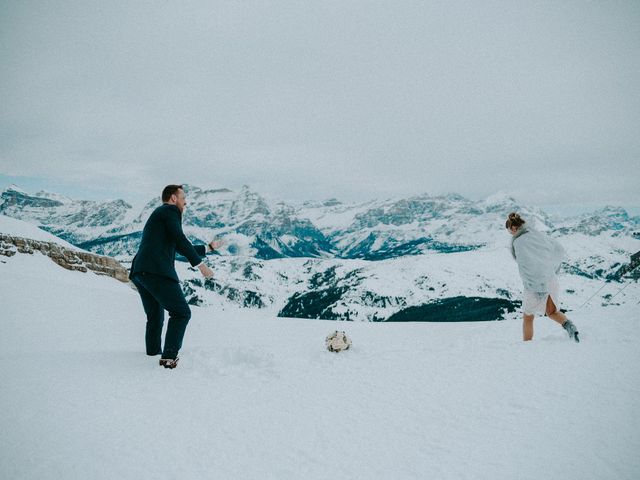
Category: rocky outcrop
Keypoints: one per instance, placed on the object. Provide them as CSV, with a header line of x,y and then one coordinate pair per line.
x,y
243,297
65,257
314,304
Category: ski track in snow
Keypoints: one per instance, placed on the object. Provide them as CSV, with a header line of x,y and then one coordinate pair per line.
x,y
258,397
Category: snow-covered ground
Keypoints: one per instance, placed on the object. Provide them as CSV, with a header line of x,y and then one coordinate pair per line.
x,y
19,228
258,397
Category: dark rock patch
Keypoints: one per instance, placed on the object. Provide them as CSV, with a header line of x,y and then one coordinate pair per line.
x,y
457,309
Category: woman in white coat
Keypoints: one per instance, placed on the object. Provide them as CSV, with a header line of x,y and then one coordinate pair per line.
x,y
538,258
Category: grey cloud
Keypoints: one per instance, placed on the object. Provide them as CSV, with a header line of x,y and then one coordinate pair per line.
x,y
349,99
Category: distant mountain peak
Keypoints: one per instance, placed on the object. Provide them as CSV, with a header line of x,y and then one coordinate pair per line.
x,y
15,188
219,190
331,202
53,196
500,198
610,210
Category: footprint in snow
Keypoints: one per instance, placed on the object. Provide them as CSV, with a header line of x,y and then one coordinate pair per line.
x,y
234,361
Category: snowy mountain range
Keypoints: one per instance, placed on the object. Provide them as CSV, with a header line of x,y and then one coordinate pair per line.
x,y
256,227
423,256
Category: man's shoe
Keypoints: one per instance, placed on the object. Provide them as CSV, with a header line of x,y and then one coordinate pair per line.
x,y
571,330
169,362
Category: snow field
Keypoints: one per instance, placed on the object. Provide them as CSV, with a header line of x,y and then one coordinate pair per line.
x,y
258,397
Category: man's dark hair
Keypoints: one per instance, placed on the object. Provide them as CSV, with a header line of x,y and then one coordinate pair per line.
x,y
170,190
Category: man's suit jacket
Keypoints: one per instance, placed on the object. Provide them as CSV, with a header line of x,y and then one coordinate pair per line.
x,y
162,237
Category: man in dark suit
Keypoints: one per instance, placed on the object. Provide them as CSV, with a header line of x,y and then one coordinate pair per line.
x,y
153,273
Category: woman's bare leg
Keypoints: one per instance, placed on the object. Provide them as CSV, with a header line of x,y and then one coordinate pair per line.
x,y
553,313
527,327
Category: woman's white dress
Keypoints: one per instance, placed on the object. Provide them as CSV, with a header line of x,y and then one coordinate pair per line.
x,y
539,258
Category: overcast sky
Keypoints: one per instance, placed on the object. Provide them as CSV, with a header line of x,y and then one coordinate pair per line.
x,y
319,99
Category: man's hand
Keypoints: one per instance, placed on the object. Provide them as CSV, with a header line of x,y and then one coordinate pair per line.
x,y
206,271
215,244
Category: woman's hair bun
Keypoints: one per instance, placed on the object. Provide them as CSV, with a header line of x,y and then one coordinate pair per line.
x,y
514,220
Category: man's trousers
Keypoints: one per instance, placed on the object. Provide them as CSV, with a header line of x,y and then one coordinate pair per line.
x,y
158,294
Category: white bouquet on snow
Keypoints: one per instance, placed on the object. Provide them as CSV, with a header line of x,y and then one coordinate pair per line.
x,y
337,341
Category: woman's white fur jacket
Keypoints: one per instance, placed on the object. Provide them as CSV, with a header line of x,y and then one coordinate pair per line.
x,y
538,257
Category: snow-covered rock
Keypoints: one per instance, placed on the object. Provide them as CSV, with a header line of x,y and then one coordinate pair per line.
x,y
17,237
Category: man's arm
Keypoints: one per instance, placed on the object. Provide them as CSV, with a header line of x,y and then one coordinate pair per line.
x,y
200,250
183,245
